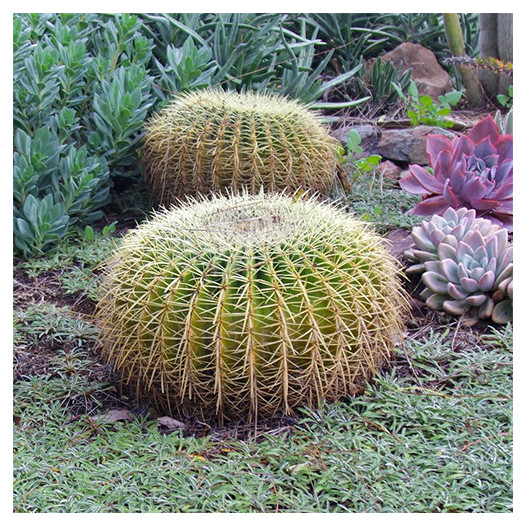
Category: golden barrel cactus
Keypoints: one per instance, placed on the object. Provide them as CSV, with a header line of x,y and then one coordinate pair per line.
x,y
211,141
246,306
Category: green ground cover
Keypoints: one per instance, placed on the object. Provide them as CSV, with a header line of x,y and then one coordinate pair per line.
x,y
432,433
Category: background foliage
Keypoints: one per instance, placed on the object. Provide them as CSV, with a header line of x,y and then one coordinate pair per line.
x,y
85,83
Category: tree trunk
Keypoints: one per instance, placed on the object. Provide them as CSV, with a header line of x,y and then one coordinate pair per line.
x,y
488,48
505,47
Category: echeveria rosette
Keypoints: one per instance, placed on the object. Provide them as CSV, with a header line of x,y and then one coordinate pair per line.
x,y
472,278
450,228
503,297
473,171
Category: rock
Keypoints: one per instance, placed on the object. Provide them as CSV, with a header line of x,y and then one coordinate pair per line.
x,y
408,145
368,133
431,78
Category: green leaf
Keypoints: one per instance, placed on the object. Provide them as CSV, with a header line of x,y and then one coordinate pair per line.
x,y
109,229
337,105
413,90
89,233
426,101
413,117
353,142
398,90
24,228
502,99
453,97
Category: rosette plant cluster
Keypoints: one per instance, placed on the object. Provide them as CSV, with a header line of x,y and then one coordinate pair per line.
x,y
474,171
244,306
466,264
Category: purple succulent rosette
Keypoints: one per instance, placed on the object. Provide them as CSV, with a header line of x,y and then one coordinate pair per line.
x,y
449,228
472,277
473,171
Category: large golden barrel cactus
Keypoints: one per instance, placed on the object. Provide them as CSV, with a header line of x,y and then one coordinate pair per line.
x,y
245,306
210,141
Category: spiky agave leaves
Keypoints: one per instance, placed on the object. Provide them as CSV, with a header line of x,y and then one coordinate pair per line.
x,y
210,141
244,306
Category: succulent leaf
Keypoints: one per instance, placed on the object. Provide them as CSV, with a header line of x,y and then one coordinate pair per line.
x,y
425,243
504,274
436,237
487,281
485,128
462,271
477,300
436,301
435,281
469,284
456,307
456,291
473,171
503,312
436,146
450,270
447,251
486,310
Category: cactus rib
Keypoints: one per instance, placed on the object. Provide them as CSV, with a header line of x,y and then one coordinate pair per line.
x,y
211,141
244,306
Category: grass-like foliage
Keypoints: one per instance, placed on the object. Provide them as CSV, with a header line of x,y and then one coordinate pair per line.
x,y
376,200
433,434
245,306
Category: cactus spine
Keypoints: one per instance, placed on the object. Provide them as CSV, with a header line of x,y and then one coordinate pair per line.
x,y
245,306
210,141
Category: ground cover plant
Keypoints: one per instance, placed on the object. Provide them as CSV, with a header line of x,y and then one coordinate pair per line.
x,y
431,433
429,430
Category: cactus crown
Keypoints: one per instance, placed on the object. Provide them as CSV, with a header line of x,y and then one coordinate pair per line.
x,y
249,305
210,141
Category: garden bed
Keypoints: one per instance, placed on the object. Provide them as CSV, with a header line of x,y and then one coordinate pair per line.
x,y
430,432
445,399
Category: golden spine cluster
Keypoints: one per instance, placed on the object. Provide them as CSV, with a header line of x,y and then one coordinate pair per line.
x,y
244,306
212,141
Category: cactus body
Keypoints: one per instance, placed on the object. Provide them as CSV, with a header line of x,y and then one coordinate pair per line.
x,y
211,141
245,306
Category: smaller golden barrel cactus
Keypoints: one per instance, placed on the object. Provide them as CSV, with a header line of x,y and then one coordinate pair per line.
x,y
244,306
210,141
